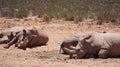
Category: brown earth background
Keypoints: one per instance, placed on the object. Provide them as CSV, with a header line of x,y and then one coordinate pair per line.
x,y
48,56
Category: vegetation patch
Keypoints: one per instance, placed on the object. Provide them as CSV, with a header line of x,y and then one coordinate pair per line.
x,y
72,10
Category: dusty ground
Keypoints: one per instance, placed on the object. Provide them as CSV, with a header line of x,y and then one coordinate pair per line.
x,y
48,56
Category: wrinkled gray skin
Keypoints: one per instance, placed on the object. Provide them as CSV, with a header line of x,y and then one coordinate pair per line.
x,y
102,44
8,34
69,42
28,38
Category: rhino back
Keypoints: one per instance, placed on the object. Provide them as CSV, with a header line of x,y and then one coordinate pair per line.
x,y
114,41
70,40
112,38
8,31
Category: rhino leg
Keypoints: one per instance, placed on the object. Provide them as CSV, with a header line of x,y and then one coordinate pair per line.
x,y
103,53
11,42
95,55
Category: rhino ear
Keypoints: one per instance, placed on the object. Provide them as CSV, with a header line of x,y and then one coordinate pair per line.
x,y
16,33
87,38
24,30
12,33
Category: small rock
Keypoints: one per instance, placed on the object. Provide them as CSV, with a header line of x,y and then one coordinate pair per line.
x,y
25,58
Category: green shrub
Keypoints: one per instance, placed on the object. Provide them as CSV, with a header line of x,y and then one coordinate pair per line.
x,y
22,13
73,10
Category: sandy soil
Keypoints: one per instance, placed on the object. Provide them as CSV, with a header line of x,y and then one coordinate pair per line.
x,y
48,56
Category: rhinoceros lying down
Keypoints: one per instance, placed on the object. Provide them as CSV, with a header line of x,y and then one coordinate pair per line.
x,y
8,34
102,44
29,37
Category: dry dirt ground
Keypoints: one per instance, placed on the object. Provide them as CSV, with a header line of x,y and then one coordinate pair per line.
x,y
48,56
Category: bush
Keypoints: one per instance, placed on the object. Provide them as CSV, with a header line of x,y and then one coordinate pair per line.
x,y
22,13
73,10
